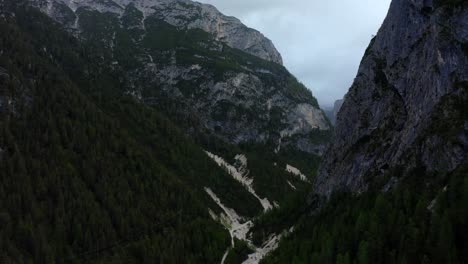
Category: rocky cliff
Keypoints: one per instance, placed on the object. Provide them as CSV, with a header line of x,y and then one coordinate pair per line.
x,y
209,68
183,14
406,110
332,112
337,107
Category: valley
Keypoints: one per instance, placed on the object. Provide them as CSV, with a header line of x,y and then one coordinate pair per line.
x,y
163,131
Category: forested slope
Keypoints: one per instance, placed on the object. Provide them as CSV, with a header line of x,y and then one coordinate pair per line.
x,y
91,173
409,224
393,185
78,177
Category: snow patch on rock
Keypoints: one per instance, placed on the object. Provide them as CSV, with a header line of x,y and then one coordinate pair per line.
x,y
225,256
296,172
269,246
231,220
291,185
233,223
230,215
241,174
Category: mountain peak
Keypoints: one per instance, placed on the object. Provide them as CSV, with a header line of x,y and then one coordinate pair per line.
x,y
225,74
183,14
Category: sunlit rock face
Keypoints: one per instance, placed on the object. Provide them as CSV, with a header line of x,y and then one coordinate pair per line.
x,y
411,89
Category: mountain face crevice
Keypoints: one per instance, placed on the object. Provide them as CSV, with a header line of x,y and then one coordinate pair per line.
x,y
412,78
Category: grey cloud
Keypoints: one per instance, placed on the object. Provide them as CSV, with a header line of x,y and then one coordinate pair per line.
x,y
322,42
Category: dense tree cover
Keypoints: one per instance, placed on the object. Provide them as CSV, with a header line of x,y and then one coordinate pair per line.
x,y
89,174
292,210
87,64
238,254
419,221
164,42
92,175
269,171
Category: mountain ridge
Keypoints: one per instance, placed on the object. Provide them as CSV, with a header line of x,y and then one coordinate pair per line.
x,y
90,121
169,51
402,90
183,14
393,184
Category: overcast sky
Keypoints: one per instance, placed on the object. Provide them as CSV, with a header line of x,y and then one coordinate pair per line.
x,y
322,42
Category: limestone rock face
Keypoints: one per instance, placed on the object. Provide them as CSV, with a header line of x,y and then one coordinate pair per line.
x,y
410,90
243,108
219,75
184,14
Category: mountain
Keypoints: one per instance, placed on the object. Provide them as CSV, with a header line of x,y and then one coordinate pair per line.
x,y
164,47
332,112
182,14
393,185
127,139
406,109
163,131
83,180
337,107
